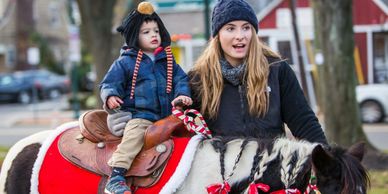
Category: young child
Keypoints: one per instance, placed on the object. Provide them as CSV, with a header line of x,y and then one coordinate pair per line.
x,y
145,81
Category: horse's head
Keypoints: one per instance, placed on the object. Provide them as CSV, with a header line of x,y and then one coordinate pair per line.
x,y
339,171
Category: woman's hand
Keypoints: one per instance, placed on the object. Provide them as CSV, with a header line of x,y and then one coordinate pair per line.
x,y
184,99
114,102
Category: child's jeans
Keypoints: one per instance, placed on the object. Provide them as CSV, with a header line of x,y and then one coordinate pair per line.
x,y
131,143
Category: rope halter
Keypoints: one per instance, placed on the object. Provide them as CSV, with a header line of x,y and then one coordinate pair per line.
x,y
189,121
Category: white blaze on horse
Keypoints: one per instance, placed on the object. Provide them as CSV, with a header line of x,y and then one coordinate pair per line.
x,y
34,165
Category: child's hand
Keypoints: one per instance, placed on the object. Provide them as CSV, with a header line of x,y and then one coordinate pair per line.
x,y
113,102
185,100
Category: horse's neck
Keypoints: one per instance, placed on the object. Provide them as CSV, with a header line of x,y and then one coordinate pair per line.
x,y
206,170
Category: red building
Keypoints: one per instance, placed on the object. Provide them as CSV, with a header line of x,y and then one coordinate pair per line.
x,y
370,18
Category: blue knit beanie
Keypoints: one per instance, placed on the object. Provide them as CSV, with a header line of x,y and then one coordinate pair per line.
x,y
230,10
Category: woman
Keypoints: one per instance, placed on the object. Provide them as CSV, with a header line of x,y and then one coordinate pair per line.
x,y
242,87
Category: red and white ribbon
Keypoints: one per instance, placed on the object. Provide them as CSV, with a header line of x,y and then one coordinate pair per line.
x,y
253,188
190,123
218,188
287,191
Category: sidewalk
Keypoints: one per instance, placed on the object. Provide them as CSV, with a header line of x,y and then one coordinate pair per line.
x,y
46,119
18,125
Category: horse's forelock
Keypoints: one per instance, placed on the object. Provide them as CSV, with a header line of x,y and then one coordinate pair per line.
x,y
354,176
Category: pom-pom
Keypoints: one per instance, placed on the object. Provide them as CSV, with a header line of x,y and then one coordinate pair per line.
x,y
145,8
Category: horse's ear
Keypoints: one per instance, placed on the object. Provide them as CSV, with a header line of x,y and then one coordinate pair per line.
x,y
322,160
357,150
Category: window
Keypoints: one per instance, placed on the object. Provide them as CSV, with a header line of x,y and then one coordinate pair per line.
x,y
284,48
380,57
54,15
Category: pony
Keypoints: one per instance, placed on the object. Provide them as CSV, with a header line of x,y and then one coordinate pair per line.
x,y
219,165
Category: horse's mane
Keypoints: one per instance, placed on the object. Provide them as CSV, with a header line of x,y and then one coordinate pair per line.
x,y
355,178
295,155
291,156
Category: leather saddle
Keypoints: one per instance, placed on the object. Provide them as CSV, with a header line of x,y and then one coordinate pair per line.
x,y
91,145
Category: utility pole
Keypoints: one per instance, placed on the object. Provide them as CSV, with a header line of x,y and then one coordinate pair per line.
x,y
292,5
207,23
75,58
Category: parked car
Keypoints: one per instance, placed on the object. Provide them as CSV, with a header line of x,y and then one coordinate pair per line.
x,y
15,89
22,86
373,101
49,85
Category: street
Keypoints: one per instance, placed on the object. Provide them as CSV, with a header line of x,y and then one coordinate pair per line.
x,y
377,134
19,121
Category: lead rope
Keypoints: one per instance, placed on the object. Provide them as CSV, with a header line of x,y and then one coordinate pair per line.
x,y
190,123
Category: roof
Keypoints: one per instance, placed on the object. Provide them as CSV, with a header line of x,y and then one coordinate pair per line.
x,y
382,4
385,2
264,12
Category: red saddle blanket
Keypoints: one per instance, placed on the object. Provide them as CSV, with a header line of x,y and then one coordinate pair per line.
x,y
58,176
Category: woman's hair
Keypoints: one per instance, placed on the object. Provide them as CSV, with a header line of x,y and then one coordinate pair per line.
x,y
210,80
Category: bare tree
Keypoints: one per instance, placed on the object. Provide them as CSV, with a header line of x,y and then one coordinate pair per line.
x,y
97,32
96,29
334,39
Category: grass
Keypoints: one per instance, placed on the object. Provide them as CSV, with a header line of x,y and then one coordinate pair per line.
x,y
3,152
379,182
